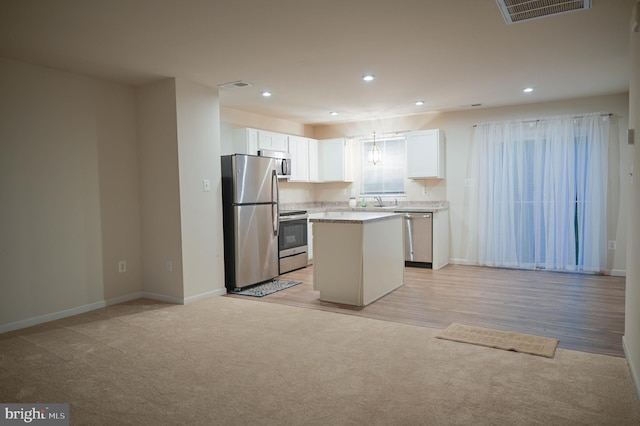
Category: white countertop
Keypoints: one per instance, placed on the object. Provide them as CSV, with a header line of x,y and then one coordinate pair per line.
x,y
412,206
351,216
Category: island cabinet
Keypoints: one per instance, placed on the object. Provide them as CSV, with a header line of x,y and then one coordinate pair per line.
x,y
425,154
309,242
358,256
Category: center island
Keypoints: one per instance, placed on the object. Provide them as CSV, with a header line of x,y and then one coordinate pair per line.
x,y
358,256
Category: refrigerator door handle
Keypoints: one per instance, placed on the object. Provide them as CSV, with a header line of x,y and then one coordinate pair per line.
x,y
275,209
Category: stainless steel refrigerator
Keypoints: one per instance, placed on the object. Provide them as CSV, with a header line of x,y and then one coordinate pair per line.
x,y
250,213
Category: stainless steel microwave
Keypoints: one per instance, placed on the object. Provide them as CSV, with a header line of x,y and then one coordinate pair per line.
x,y
283,161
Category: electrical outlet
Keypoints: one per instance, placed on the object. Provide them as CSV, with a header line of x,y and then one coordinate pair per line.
x,y
169,265
611,245
122,266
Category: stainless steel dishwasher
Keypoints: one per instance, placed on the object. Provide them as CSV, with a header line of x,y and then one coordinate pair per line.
x,y
418,239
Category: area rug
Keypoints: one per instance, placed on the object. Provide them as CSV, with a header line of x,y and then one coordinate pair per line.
x,y
507,340
261,290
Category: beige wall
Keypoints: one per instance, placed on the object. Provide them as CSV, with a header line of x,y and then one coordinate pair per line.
x,y
159,190
91,175
198,120
179,147
119,190
632,309
67,152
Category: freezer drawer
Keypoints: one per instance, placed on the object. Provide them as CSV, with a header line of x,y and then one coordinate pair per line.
x,y
256,244
418,238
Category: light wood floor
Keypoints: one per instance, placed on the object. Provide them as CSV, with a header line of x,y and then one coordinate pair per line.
x,y
585,312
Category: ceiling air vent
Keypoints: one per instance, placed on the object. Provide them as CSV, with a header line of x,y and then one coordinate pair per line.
x,y
234,85
525,10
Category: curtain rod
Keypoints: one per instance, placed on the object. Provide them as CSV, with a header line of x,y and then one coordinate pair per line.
x,y
543,119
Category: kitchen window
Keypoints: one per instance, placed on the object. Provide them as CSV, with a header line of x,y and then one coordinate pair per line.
x,y
386,177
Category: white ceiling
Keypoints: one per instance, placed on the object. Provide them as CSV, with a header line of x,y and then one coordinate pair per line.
x,y
312,54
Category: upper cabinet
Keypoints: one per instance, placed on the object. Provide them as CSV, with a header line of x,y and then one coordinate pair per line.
x,y
299,150
273,141
314,161
249,141
245,141
425,154
335,160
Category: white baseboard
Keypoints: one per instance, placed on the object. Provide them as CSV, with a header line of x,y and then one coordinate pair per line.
x,y
634,374
612,272
125,298
163,298
454,261
30,322
206,295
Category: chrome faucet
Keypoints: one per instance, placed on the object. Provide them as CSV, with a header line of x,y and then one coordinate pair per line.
x,y
379,200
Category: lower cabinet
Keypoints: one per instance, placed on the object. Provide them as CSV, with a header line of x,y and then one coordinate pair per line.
x,y
309,242
440,239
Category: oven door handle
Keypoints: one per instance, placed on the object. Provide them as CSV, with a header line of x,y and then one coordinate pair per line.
x,y
296,217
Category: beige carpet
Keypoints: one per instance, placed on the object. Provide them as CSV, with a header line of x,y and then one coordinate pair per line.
x,y
232,361
507,340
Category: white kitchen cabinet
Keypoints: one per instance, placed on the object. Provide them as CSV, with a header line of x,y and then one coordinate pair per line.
x,y
440,239
299,150
249,141
245,141
314,161
335,160
425,154
309,242
273,141
358,256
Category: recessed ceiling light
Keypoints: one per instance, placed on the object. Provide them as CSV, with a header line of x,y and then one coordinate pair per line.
x,y
368,77
528,90
333,113
266,94
419,103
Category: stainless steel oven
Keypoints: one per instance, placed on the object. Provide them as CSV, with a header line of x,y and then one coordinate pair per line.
x,y
292,240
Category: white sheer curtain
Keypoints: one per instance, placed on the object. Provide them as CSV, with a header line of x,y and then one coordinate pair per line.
x,y
539,191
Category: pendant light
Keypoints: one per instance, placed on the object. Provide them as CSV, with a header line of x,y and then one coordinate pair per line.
x,y
374,154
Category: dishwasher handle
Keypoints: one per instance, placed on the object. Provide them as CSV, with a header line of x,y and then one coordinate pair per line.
x,y
420,215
